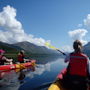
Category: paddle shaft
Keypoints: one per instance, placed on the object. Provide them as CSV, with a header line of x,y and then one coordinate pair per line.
x,y
61,52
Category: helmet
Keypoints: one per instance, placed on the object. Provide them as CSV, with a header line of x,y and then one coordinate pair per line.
x,y
2,51
22,51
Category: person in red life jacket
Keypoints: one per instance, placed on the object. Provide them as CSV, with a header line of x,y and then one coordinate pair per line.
x,y
3,59
78,67
21,56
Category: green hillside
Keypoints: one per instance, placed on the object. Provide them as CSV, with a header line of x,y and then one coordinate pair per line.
x,y
31,50
10,51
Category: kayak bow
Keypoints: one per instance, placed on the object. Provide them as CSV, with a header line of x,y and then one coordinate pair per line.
x,y
60,84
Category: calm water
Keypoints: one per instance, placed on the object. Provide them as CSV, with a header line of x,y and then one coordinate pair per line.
x,y
45,72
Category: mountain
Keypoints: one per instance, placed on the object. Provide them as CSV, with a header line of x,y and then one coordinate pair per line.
x,y
86,49
9,48
34,49
11,51
30,49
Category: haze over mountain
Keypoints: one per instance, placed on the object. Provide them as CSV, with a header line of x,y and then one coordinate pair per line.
x,y
34,49
28,47
86,49
9,48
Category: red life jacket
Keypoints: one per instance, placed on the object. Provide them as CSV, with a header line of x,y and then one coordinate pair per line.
x,y
20,57
1,60
78,64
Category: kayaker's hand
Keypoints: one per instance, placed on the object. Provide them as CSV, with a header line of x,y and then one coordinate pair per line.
x,y
57,49
26,60
11,60
11,63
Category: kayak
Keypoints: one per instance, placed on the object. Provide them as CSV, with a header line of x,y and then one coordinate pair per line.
x,y
17,66
60,84
57,85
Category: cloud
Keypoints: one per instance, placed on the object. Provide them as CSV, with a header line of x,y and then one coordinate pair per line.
x,y
80,25
42,68
39,70
67,48
78,34
87,21
11,29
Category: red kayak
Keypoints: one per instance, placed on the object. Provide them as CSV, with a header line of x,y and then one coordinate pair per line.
x,y
17,66
61,84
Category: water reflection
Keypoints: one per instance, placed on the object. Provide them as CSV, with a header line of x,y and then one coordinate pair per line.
x,y
13,79
21,76
9,81
46,71
47,59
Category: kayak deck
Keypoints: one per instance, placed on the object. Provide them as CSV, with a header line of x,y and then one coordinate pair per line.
x,y
56,86
65,84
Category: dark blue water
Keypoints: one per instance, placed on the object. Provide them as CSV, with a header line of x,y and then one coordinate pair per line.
x,y
45,72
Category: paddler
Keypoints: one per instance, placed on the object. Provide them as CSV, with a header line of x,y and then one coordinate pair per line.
x,y
21,57
78,67
3,59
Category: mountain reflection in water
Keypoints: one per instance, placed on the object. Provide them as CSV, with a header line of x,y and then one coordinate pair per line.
x,y
46,71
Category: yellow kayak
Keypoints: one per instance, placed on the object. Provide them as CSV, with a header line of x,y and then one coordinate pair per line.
x,y
61,84
57,85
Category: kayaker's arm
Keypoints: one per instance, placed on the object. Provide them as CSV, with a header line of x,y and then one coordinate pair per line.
x,y
7,60
27,60
88,67
67,59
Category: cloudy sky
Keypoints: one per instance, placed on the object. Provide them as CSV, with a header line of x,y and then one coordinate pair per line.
x,y
59,22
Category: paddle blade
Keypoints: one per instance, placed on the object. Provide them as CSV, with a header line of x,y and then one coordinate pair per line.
x,y
50,46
